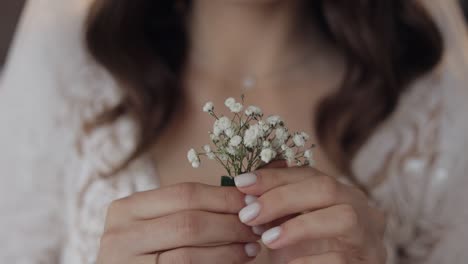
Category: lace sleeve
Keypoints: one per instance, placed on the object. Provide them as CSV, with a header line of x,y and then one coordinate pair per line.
x,y
37,136
416,164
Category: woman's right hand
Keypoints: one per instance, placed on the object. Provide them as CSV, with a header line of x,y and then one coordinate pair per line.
x,y
184,223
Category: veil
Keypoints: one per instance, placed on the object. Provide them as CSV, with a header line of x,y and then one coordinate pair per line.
x,y
48,59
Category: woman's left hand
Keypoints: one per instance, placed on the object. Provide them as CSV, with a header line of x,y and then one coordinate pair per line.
x,y
311,217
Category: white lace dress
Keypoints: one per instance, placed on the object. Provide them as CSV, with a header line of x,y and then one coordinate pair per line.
x,y
53,198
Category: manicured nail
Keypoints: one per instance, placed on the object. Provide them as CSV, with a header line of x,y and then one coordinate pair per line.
x,y
271,235
245,180
249,212
252,249
250,199
258,230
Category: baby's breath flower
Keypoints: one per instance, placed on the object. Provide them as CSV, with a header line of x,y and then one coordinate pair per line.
x,y
231,150
207,148
214,137
236,108
223,157
193,158
281,134
235,141
264,126
243,143
221,125
229,132
274,121
208,107
289,154
309,155
229,102
209,153
253,111
300,139
268,155
251,136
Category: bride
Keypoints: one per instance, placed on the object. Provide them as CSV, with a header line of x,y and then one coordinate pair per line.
x,y
100,100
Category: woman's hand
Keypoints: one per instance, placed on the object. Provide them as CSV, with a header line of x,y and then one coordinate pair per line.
x,y
311,218
185,223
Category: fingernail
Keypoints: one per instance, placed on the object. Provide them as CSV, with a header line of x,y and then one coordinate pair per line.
x,y
271,235
249,212
252,249
250,199
258,230
245,180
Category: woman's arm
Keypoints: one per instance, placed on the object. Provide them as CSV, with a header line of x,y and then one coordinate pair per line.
x,y
37,133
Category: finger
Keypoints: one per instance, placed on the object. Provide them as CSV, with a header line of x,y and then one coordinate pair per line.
x,y
307,195
263,180
175,198
233,253
339,221
145,259
188,228
328,258
260,229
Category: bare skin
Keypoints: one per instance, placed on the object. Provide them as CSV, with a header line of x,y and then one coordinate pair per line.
x,y
231,38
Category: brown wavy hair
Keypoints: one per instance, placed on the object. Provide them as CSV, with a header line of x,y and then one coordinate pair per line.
x,y
387,45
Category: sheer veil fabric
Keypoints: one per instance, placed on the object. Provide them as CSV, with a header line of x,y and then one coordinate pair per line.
x,y
53,197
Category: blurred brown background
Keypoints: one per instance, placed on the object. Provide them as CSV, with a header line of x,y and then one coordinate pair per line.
x,y
9,13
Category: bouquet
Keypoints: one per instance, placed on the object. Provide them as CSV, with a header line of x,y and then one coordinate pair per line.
x,y
245,141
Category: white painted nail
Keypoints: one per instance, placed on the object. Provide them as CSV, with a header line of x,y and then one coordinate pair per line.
x,y
258,230
249,212
245,180
252,249
250,199
271,235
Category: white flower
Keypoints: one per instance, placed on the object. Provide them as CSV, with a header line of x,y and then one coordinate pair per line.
x,y
281,134
192,156
251,136
207,148
236,108
231,150
300,139
229,132
214,137
209,153
309,155
289,154
223,157
274,120
230,102
264,126
267,155
235,141
208,107
266,144
253,111
221,125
